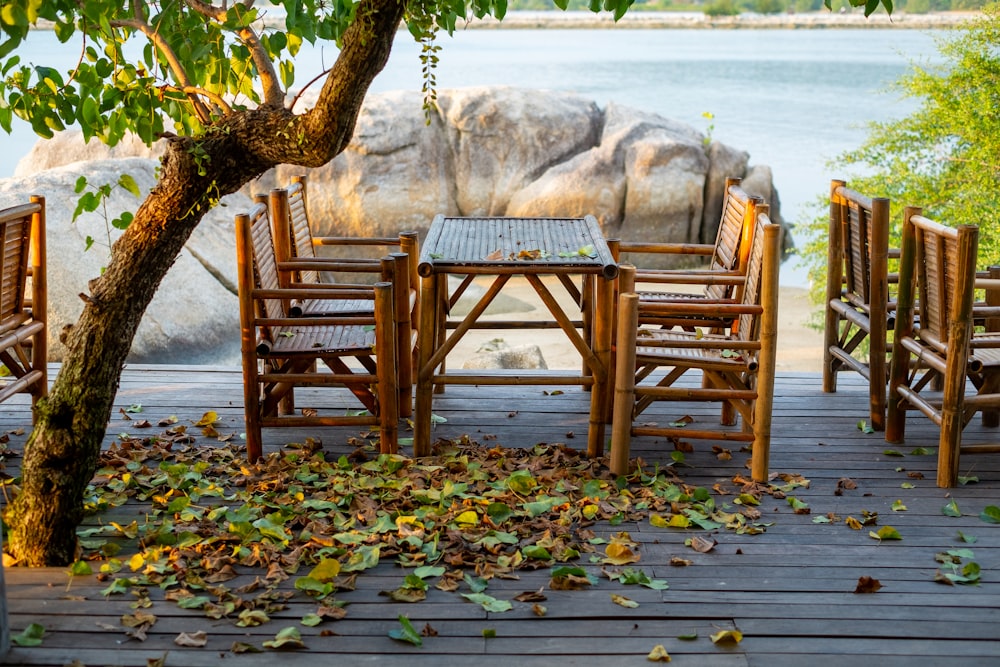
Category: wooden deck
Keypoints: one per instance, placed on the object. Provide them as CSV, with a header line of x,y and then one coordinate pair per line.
x,y
790,590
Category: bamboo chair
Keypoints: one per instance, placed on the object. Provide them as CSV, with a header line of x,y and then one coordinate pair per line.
x,y
298,264
936,337
721,279
858,304
23,302
737,364
281,351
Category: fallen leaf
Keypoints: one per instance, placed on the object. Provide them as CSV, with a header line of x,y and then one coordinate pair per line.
x,y
623,601
658,654
867,584
195,639
727,637
701,544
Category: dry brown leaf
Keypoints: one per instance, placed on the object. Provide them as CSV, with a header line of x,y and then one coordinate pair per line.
x,y
702,544
494,256
531,596
193,639
867,584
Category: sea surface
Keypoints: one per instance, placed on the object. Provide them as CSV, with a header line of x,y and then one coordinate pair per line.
x,y
793,99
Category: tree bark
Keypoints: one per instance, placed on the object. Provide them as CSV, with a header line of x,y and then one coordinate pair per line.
x,y
61,454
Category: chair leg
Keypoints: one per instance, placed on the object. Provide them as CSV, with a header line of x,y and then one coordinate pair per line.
x,y
624,403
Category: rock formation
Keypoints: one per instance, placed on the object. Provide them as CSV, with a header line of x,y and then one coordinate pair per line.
x,y
482,152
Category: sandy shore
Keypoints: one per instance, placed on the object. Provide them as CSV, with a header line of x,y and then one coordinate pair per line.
x,y
800,348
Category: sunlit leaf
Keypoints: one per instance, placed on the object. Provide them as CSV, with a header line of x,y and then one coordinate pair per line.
x,y
287,638
623,601
727,637
885,533
658,654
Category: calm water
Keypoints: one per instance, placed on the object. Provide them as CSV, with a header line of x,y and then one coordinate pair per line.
x,y
793,99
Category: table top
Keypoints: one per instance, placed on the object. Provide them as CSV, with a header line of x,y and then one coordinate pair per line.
x,y
516,245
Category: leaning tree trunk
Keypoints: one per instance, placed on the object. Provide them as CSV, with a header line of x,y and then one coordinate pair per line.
x,y
61,455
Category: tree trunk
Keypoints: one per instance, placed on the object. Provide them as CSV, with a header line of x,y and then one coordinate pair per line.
x,y
61,455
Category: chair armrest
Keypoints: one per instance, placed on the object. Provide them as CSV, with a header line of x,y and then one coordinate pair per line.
x,y
690,277
319,292
355,240
704,309
331,264
666,248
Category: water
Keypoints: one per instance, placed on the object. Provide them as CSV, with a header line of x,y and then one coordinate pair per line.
x,y
793,99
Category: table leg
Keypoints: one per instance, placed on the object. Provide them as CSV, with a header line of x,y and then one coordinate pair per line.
x,y
427,335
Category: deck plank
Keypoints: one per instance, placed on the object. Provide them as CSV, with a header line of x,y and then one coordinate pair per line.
x,y
790,590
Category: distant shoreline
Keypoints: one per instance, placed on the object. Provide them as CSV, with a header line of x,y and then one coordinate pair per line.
x,y
559,20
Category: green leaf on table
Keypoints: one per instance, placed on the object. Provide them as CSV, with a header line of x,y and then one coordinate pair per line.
x,y
898,506
951,509
990,514
865,427
30,636
488,602
406,632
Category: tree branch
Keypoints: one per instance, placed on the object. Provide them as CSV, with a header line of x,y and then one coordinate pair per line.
x,y
270,84
175,66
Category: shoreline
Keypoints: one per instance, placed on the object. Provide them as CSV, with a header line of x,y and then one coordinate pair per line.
x,y
640,20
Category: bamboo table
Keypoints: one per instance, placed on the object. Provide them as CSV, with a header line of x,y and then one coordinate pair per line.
x,y
502,248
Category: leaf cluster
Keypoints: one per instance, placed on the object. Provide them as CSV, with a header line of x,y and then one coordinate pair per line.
x,y
467,509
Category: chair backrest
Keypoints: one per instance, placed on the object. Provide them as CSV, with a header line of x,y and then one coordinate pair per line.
x,y
301,241
859,245
747,325
15,232
261,260
944,273
735,235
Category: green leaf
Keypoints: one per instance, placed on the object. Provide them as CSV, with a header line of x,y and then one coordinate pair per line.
x,y
289,637
30,636
885,533
891,452
406,632
990,514
311,620
488,602
951,509
968,539
80,568
865,427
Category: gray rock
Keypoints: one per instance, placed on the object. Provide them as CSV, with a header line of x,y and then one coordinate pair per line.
x,y
194,317
499,355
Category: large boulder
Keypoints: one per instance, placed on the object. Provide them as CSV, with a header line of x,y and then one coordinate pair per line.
x,y
194,317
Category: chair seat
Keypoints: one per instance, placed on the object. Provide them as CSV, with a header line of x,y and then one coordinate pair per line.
x,y
320,340
687,348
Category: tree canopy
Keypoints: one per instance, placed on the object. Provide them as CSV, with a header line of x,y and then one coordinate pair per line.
x,y
945,155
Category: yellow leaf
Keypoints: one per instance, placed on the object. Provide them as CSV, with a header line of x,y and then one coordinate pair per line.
x,y
623,601
658,654
136,562
658,521
469,518
325,570
852,523
208,418
620,554
727,637
679,521
590,511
